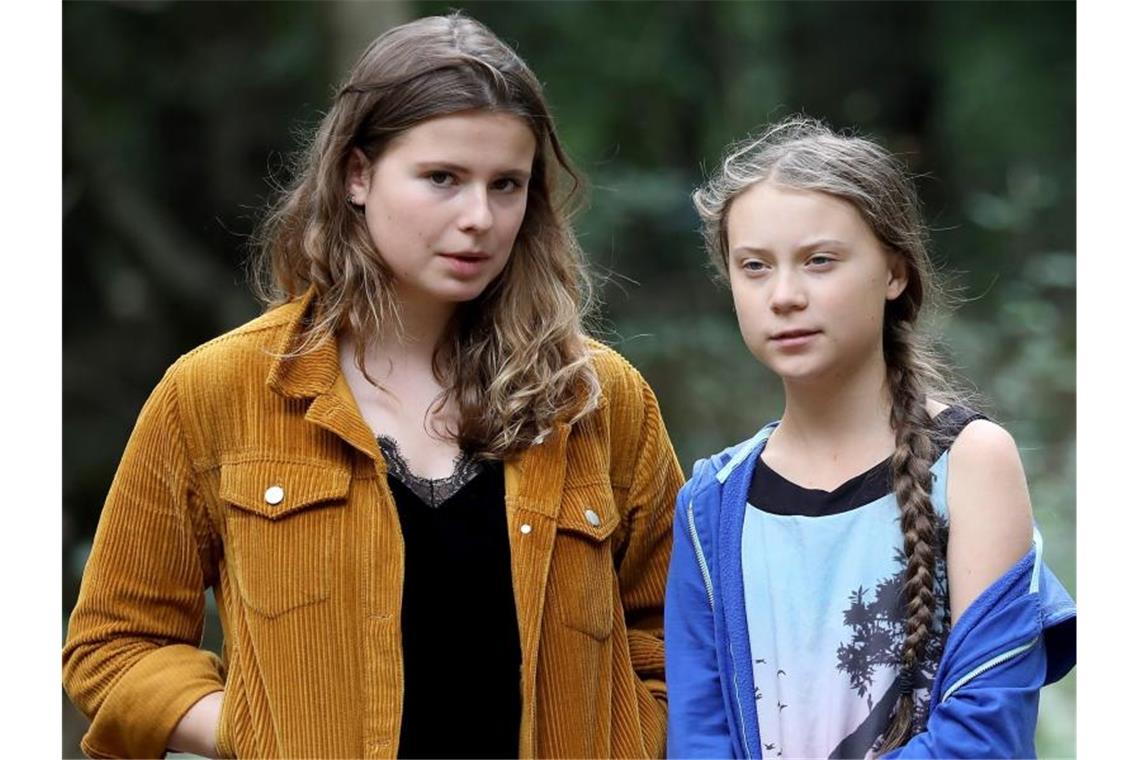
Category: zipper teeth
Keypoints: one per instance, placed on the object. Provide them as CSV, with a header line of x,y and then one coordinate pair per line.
x,y
700,555
987,665
700,552
739,702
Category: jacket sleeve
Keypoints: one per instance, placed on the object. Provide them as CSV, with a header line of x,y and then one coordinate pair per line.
x,y
131,661
655,477
993,714
698,721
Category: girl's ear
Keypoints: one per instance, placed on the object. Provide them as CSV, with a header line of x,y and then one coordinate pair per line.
x,y
358,177
896,275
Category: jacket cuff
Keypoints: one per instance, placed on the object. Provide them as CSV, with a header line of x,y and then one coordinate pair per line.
x,y
149,700
647,654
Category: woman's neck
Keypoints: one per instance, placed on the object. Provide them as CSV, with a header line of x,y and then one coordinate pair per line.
x,y
401,395
408,346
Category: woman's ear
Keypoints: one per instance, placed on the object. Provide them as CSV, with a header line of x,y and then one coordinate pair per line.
x,y
896,275
358,177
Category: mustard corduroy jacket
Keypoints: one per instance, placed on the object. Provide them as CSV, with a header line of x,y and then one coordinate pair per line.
x,y
308,579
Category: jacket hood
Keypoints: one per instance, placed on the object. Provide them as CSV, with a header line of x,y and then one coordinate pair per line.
x,y
717,468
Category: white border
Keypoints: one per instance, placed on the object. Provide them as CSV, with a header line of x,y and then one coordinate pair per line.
x,y
30,199
1108,247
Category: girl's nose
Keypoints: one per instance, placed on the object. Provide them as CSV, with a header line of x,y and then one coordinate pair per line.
x,y
788,293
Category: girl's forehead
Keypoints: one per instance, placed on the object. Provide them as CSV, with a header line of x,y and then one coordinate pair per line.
x,y
776,212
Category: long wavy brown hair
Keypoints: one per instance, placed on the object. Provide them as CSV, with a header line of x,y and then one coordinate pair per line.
x,y
803,153
515,359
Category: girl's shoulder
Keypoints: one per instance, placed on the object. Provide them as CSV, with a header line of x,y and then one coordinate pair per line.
x,y
982,457
986,480
991,519
977,445
949,421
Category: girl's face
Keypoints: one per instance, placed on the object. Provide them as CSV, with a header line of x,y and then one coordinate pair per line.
x,y
809,281
444,202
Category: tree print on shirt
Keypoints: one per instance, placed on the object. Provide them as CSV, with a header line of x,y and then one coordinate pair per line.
x,y
877,621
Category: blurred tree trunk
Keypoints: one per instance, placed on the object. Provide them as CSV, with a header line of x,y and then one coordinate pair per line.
x,y
355,24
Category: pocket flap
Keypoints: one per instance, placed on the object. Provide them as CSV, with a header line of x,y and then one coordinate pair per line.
x,y
274,489
589,511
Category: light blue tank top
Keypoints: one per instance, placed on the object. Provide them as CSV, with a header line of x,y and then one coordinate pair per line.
x,y
825,618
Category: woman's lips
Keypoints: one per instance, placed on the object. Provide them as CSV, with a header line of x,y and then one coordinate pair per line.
x,y
466,264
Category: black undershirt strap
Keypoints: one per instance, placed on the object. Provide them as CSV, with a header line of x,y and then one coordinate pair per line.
x,y
775,494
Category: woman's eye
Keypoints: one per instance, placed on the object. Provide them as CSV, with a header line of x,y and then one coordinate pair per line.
x,y
753,265
441,179
820,260
506,185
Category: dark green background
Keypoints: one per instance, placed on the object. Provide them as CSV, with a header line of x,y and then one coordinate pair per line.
x,y
177,114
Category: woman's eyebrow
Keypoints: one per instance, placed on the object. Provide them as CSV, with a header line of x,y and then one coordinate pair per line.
x,y
440,166
520,174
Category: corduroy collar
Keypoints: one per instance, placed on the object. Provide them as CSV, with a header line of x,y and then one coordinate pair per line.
x,y
304,375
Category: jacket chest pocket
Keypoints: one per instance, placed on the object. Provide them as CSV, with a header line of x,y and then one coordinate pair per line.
x,y
282,519
582,567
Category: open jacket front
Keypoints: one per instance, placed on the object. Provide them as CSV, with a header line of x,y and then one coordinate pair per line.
x,y
1017,636
308,583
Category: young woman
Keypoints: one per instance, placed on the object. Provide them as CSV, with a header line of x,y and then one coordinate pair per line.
x,y
863,576
435,516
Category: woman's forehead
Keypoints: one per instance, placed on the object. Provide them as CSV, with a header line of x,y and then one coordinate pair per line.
x,y
470,135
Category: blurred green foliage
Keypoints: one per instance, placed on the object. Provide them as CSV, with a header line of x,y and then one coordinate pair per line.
x,y
176,116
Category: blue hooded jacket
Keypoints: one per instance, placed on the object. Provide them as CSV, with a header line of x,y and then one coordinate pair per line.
x,y
1017,636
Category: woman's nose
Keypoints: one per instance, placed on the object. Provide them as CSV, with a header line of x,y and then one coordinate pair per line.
x,y
477,215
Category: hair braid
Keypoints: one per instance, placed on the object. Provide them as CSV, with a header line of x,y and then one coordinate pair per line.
x,y
910,469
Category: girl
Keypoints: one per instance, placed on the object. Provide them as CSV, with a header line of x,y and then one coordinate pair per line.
x,y
863,576
435,516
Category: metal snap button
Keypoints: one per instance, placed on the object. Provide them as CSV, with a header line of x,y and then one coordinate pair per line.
x,y
592,518
524,528
274,495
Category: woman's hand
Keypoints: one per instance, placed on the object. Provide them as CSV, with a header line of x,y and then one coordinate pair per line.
x,y
197,732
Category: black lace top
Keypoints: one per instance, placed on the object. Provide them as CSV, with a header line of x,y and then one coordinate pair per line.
x,y
462,656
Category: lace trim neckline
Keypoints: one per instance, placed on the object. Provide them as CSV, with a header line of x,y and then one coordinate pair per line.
x,y
431,491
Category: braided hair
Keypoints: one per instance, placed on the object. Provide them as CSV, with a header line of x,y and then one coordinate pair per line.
x,y
910,475
804,154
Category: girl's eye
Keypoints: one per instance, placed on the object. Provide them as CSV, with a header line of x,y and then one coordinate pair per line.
x,y
820,260
753,266
441,178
